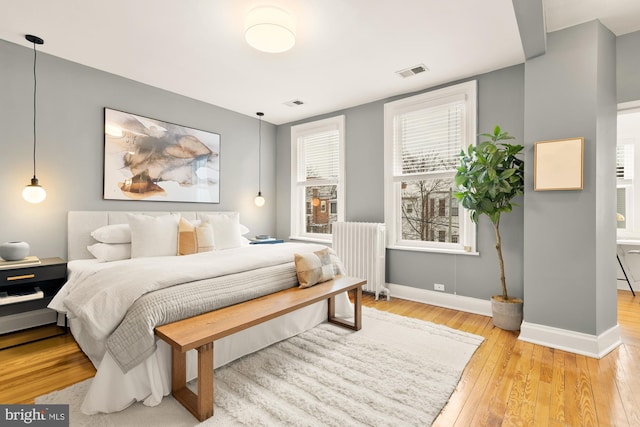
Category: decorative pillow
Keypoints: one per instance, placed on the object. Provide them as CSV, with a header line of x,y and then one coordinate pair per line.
x,y
317,267
226,230
107,252
153,235
115,233
194,237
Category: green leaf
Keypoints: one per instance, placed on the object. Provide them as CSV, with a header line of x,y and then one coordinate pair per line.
x,y
507,173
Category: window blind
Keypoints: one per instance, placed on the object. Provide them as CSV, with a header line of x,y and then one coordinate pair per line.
x,y
429,139
321,156
624,161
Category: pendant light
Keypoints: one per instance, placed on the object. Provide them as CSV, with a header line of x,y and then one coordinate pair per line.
x,y
259,200
34,193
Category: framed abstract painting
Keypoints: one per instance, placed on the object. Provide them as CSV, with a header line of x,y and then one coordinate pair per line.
x,y
148,159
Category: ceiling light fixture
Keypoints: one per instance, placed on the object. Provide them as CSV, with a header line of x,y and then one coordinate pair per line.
x,y
259,200
34,193
270,29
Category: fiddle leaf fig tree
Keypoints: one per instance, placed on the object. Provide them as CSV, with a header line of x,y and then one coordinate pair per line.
x,y
490,176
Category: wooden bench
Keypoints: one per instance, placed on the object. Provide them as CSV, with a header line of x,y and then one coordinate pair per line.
x,y
199,332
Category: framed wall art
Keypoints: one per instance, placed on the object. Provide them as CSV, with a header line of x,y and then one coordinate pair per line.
x,y
558,165
148,159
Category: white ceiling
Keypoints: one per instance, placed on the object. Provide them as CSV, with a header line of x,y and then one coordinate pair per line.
x,y
346,53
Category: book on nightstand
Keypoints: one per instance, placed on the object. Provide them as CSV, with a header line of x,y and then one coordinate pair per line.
x,y
30,260
14,297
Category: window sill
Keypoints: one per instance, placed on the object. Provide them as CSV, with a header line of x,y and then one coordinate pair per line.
x,y
433,250
311,239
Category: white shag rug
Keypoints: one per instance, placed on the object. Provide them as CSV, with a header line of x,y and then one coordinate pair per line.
x,y
396,371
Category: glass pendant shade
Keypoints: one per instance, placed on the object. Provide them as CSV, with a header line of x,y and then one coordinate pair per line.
x,y
259,200
34,193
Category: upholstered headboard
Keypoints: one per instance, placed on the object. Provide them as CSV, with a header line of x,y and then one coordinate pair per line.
x,y
80,224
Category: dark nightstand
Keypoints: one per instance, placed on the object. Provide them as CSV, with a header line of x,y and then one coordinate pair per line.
x,y
29,289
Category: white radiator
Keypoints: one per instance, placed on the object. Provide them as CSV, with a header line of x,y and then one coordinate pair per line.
x,y
362,246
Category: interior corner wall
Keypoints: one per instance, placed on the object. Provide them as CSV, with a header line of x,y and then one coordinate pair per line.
x,y
500,102
569,236
70,147
628,67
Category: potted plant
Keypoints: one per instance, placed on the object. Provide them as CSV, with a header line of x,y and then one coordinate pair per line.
x,y
490,176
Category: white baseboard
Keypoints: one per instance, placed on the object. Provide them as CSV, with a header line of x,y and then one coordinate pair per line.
x,y
561,339
441,299
596,346
624,286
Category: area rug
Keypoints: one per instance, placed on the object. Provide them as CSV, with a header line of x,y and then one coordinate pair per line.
x,y
396,371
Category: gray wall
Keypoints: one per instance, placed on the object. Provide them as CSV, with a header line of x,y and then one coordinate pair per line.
x,y
628,67
569,236
501,101
71,99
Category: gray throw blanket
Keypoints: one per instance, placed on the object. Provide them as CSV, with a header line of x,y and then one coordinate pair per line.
x,y
133,340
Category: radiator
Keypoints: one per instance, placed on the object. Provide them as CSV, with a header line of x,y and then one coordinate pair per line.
x,y
362,246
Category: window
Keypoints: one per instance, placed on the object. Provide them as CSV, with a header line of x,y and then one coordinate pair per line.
x,y
627,164
424,135
317,178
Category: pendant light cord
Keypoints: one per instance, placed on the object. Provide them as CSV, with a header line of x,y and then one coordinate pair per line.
x,y
35,88
260,154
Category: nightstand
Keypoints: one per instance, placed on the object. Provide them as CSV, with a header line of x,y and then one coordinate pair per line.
x,y
27,291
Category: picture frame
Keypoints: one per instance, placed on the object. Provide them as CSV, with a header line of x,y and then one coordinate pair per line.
x,y
153,160
559,164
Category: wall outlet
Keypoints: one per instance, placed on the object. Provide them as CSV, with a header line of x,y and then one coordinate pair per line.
x,y
438,286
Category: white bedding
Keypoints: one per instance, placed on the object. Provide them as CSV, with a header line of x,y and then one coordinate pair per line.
x,y
97,296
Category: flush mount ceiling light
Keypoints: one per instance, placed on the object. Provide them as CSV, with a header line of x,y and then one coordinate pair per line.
x,y
270,29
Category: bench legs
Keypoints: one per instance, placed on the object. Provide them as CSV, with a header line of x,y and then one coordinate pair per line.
x,y
357,308
200,405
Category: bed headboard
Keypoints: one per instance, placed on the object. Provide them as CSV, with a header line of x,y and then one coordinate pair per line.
x,y
80,224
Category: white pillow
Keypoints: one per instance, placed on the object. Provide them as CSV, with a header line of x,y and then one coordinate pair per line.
x,y
243,230
153,235
226,230
115,233
106,252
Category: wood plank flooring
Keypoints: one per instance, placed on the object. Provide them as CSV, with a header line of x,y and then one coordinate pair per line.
x,y
506,383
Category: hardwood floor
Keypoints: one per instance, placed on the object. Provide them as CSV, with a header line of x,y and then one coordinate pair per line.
x,y
507,382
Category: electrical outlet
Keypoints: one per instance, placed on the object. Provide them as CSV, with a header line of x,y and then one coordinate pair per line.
x,y
438,286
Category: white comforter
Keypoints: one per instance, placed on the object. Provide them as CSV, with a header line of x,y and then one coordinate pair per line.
x,y
97,296
100,294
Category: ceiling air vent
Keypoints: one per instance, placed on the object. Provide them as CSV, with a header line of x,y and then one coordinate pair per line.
x,y
412,71
294,103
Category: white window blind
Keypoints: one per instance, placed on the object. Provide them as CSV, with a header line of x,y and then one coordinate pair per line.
x,y
321,156
429,139
624,162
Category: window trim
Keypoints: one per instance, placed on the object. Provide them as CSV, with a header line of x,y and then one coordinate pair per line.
x,y
467,235
631,231
298,204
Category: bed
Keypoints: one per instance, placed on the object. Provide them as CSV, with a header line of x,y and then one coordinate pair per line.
x,y
113,305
